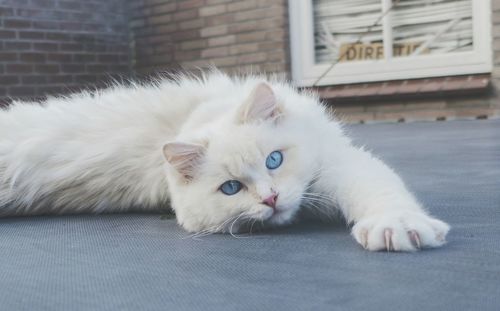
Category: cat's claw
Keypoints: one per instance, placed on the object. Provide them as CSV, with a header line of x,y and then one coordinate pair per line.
x,y
406,231
415,239
388,239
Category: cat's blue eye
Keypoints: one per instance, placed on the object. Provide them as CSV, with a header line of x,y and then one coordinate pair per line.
x,y
274,160
231,187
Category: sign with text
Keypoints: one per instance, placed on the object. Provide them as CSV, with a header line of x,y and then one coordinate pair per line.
x,y
373,51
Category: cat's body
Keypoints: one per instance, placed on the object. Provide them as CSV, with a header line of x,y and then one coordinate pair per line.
x,y
237,150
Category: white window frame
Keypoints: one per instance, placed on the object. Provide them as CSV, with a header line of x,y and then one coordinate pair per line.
x,y
305,71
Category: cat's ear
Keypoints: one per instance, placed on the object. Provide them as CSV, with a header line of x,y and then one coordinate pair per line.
x,y
262,104
184,157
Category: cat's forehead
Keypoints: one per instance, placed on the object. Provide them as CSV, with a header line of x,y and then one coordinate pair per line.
x,y
238,157
241,150
235,155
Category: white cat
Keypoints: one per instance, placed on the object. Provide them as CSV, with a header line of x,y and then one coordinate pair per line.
x,y
237,151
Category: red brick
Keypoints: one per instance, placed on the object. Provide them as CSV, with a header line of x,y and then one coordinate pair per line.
x,y
59,58
411,86
368,89
108,58
432,85
8,80
16,23
214,31
21,91
219,19
58,36
193,44
245,26
252,58
32,57
50,90
8,56
477,82
185,35
85,78
39,79
159,20
52,25
7,34
389,88
19,68
43,4
185,15
251,37
215,52
224,61
183,56
6,11
69,5
189,4
60,78
243,48
241,5
17,46
212,10
71,47
84,58
224,40
45,46
164,8
47,69
210,2
96,68
196,23
453,83
72,68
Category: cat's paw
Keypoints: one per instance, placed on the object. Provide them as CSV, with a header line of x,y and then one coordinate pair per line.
x,y
404,231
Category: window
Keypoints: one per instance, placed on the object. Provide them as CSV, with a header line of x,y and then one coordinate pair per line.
x,y
413,39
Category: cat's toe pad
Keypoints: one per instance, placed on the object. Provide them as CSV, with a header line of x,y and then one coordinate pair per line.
x,y
407,231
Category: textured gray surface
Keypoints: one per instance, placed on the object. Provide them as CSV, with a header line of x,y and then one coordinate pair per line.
x,y
141,262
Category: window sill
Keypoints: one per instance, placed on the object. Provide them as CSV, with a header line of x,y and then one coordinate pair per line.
x,y
454,85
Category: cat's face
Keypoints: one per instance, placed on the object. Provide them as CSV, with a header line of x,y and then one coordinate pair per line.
x,y
250,170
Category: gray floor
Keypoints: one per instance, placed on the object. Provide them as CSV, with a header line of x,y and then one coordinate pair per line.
x,y
143,262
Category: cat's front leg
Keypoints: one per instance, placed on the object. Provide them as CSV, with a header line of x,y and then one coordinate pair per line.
x,y
385,214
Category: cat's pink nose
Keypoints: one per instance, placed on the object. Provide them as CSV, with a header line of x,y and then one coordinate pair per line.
x,y
271,200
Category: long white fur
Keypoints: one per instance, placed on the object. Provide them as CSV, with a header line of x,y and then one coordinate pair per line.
x,y
104,152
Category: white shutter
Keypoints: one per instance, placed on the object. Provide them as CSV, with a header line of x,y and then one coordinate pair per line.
x,y
441,26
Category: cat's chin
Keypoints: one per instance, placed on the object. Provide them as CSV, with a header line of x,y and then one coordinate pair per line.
x,y
282,216
277,216
271,218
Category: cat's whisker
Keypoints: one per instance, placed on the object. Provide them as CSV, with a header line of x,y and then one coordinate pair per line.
x,y
198,234
320,201
232,225
323,201
222,226
321,209
210,230
253,223
315,194
317,197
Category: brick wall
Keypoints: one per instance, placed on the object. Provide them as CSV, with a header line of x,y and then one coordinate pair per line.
x,y
233,35
56,46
